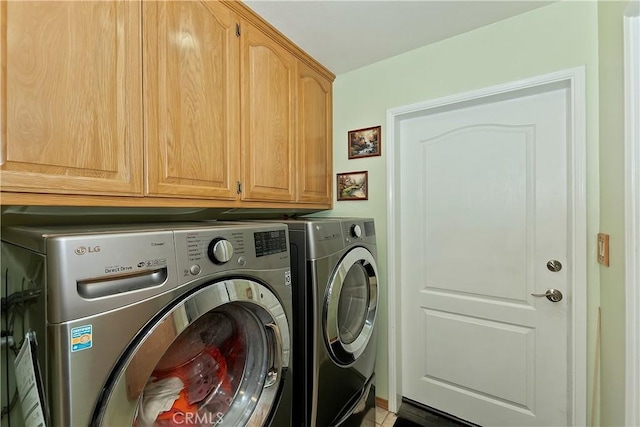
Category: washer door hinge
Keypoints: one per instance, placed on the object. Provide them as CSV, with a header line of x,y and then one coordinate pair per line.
x,y
237,30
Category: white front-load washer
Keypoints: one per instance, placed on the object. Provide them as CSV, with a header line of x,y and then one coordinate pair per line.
x,y
160,324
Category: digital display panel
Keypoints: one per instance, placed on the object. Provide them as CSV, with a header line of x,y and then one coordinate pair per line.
x,y
270,242
369,229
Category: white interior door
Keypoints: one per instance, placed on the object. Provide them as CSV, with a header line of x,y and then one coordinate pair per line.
x,y
484,208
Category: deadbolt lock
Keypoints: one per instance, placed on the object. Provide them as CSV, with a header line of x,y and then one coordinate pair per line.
x,y
554,265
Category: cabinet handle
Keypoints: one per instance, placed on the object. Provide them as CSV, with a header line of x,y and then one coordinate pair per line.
x,y
237,30
239,187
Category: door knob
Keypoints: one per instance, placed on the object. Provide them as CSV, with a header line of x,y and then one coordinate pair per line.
x,y
552,295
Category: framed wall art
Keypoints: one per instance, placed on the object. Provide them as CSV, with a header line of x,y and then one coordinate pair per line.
x,y
353,186
365,142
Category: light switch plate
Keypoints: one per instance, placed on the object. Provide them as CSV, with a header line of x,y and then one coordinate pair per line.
x,y
603,249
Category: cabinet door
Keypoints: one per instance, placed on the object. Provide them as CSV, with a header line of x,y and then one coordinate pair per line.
x,y
314,144
191,72
268,117
71,97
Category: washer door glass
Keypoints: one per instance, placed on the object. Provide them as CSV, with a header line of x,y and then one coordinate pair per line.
x,y
214,359
351,305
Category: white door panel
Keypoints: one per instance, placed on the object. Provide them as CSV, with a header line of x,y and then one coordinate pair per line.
x,y
483,208
445,363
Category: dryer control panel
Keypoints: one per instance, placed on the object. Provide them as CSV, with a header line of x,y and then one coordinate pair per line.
x,y
359,230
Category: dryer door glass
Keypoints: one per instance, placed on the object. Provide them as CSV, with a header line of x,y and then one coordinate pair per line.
x,y
216,358
354,303
350,306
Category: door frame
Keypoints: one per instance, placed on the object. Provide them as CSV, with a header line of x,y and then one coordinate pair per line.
x,y
574,81
632,209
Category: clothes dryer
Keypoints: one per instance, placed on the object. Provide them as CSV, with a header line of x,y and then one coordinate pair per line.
x,y
160,324
335,289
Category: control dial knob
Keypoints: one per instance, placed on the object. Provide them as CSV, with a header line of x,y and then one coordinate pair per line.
x,y
220,250
356,231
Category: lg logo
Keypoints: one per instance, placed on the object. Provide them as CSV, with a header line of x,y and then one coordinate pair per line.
x,y
81,250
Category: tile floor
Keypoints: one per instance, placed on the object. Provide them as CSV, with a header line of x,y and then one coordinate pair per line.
x,y
384,418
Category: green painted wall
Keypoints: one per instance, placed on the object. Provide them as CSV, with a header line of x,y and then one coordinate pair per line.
x,y
552,38
612,284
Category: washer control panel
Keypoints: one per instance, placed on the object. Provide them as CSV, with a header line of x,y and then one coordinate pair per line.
x,y
270,242
220,250
105,267
204,251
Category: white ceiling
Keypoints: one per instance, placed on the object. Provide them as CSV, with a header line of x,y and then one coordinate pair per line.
x,y
344,35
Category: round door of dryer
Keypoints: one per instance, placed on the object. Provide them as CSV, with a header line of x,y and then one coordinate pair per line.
x,y
350,306
216,357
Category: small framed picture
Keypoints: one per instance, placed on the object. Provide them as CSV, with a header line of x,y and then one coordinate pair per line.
x,y
353,186
365,142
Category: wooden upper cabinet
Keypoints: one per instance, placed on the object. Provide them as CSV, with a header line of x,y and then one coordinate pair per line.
x,y
178,103
267,117
71,97
192,100
314,142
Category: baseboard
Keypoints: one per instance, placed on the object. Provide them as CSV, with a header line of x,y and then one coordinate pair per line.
x,y
382,403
